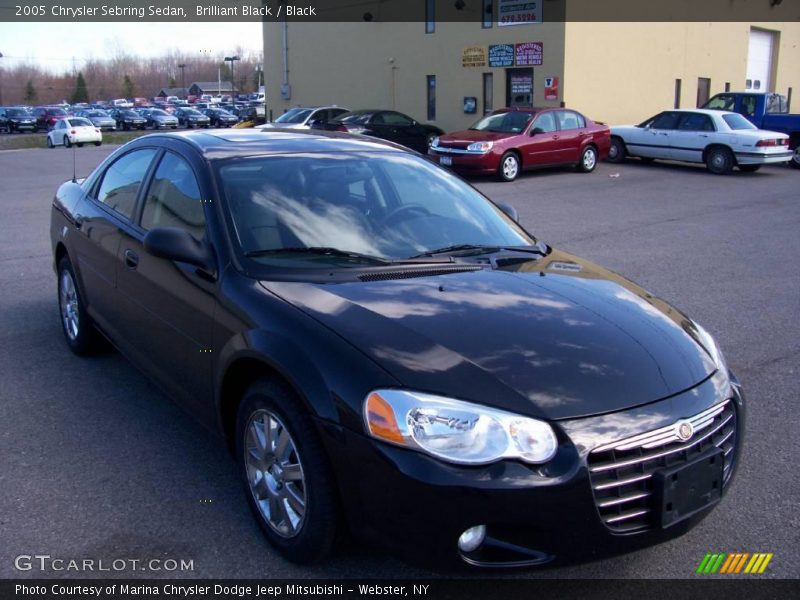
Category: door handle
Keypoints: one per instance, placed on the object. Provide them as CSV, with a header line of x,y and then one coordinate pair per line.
x,y
555,137
662,133
78,221
131,259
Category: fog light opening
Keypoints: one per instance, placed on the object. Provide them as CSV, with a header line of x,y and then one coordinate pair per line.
x,y
472,538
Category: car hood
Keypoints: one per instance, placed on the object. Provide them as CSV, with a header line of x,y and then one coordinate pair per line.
x,y
469,136
553,338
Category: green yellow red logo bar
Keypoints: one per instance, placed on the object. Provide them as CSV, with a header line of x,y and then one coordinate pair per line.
x,y
734,563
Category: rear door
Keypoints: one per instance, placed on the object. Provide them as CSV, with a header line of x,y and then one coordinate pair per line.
x,y
572,132
694,132
169,305
100,218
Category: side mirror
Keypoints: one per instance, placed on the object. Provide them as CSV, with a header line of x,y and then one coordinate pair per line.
x,y
509,210
176,244
316,123
536,130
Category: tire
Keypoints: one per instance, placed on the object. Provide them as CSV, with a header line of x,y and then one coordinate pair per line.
x,y
82,338
80,144
125,127
749,168
98,143
719,160
50,143
67,143
306,533
618,152
509,167
795,161
588,161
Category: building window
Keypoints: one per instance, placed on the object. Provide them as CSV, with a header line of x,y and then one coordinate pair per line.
x,y
703,90
677,93
431,87
789,100
488,93
430,16
727,86
488,14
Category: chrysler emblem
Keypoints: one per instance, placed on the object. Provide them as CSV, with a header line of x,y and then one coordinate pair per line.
x,y
684,430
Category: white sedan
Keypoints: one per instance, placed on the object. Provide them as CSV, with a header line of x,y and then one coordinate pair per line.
x,y
74,130
721,140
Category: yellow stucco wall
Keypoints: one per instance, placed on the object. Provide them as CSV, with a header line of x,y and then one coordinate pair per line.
x,y
625,72
384,65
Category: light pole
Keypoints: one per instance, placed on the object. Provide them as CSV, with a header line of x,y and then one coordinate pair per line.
x,y
182,67
232,59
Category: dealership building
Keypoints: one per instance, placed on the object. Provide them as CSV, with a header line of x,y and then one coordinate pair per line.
x,y
462,58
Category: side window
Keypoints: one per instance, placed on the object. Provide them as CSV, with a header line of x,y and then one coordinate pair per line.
x,y
173,199
666,120
748,108
546,122
122,179
570,120
722,102
393,118
695,122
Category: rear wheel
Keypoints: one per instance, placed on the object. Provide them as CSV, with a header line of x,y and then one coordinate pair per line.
x,y
588,160
509,167
82,338
719,161
80,144
749,168
285,472
795,162
98,143
617,152
50,143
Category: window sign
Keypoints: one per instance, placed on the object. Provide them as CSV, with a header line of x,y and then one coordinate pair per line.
x,y
518,12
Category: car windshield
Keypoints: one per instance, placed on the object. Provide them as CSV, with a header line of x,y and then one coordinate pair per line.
x,y
57,111
505,122
18,112
132,114
191,111
736,121
96,113
158,113
78,122
381,205
295,115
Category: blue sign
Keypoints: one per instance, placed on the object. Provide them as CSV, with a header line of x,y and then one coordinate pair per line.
x,y
501,55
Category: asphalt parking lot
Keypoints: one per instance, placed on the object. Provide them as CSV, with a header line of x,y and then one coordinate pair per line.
x,y
97,463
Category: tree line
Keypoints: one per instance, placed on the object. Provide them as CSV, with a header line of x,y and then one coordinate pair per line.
x,y
123,76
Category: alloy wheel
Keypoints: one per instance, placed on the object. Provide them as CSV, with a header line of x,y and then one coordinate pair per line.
x,y
275,473
589,159
68,299
510,167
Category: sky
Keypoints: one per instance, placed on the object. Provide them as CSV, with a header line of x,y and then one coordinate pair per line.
x,y
54,45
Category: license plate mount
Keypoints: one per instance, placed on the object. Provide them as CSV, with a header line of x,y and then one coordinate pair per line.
x,y
446,160
684,490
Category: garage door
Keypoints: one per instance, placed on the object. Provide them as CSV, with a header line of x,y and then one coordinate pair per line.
x,y
759,60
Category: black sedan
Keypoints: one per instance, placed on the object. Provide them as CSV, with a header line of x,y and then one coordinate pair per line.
x,y
14,119
387,125
128,119
220,118
189,117
386,350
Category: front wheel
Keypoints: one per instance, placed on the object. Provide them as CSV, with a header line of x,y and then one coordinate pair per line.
x,y
617,151
82,338
588,160
67,143
509,167
98,143
720,161
285,472
50,143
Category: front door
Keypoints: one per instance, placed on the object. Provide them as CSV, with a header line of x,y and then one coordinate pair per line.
x,y
519,87
543,146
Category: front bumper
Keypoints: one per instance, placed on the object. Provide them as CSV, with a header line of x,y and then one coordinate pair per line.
x,y
466,162
30,126
535,515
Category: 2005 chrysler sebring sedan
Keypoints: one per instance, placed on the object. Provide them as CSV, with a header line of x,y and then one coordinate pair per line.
x,y
389,352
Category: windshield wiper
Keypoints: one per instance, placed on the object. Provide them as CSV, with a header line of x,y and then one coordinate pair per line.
x,y
328,251
483,249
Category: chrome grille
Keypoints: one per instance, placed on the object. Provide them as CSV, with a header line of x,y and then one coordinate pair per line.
x,y
621,472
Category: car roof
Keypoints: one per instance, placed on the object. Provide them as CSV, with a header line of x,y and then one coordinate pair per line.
x,y
217,144
706,111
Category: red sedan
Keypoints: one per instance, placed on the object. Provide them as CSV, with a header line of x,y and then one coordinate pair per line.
x,y
510,140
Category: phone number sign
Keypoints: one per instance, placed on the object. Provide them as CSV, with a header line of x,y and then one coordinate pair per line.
x,y
518,12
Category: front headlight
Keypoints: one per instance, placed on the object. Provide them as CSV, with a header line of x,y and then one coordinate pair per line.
x,y
456,431
480,147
